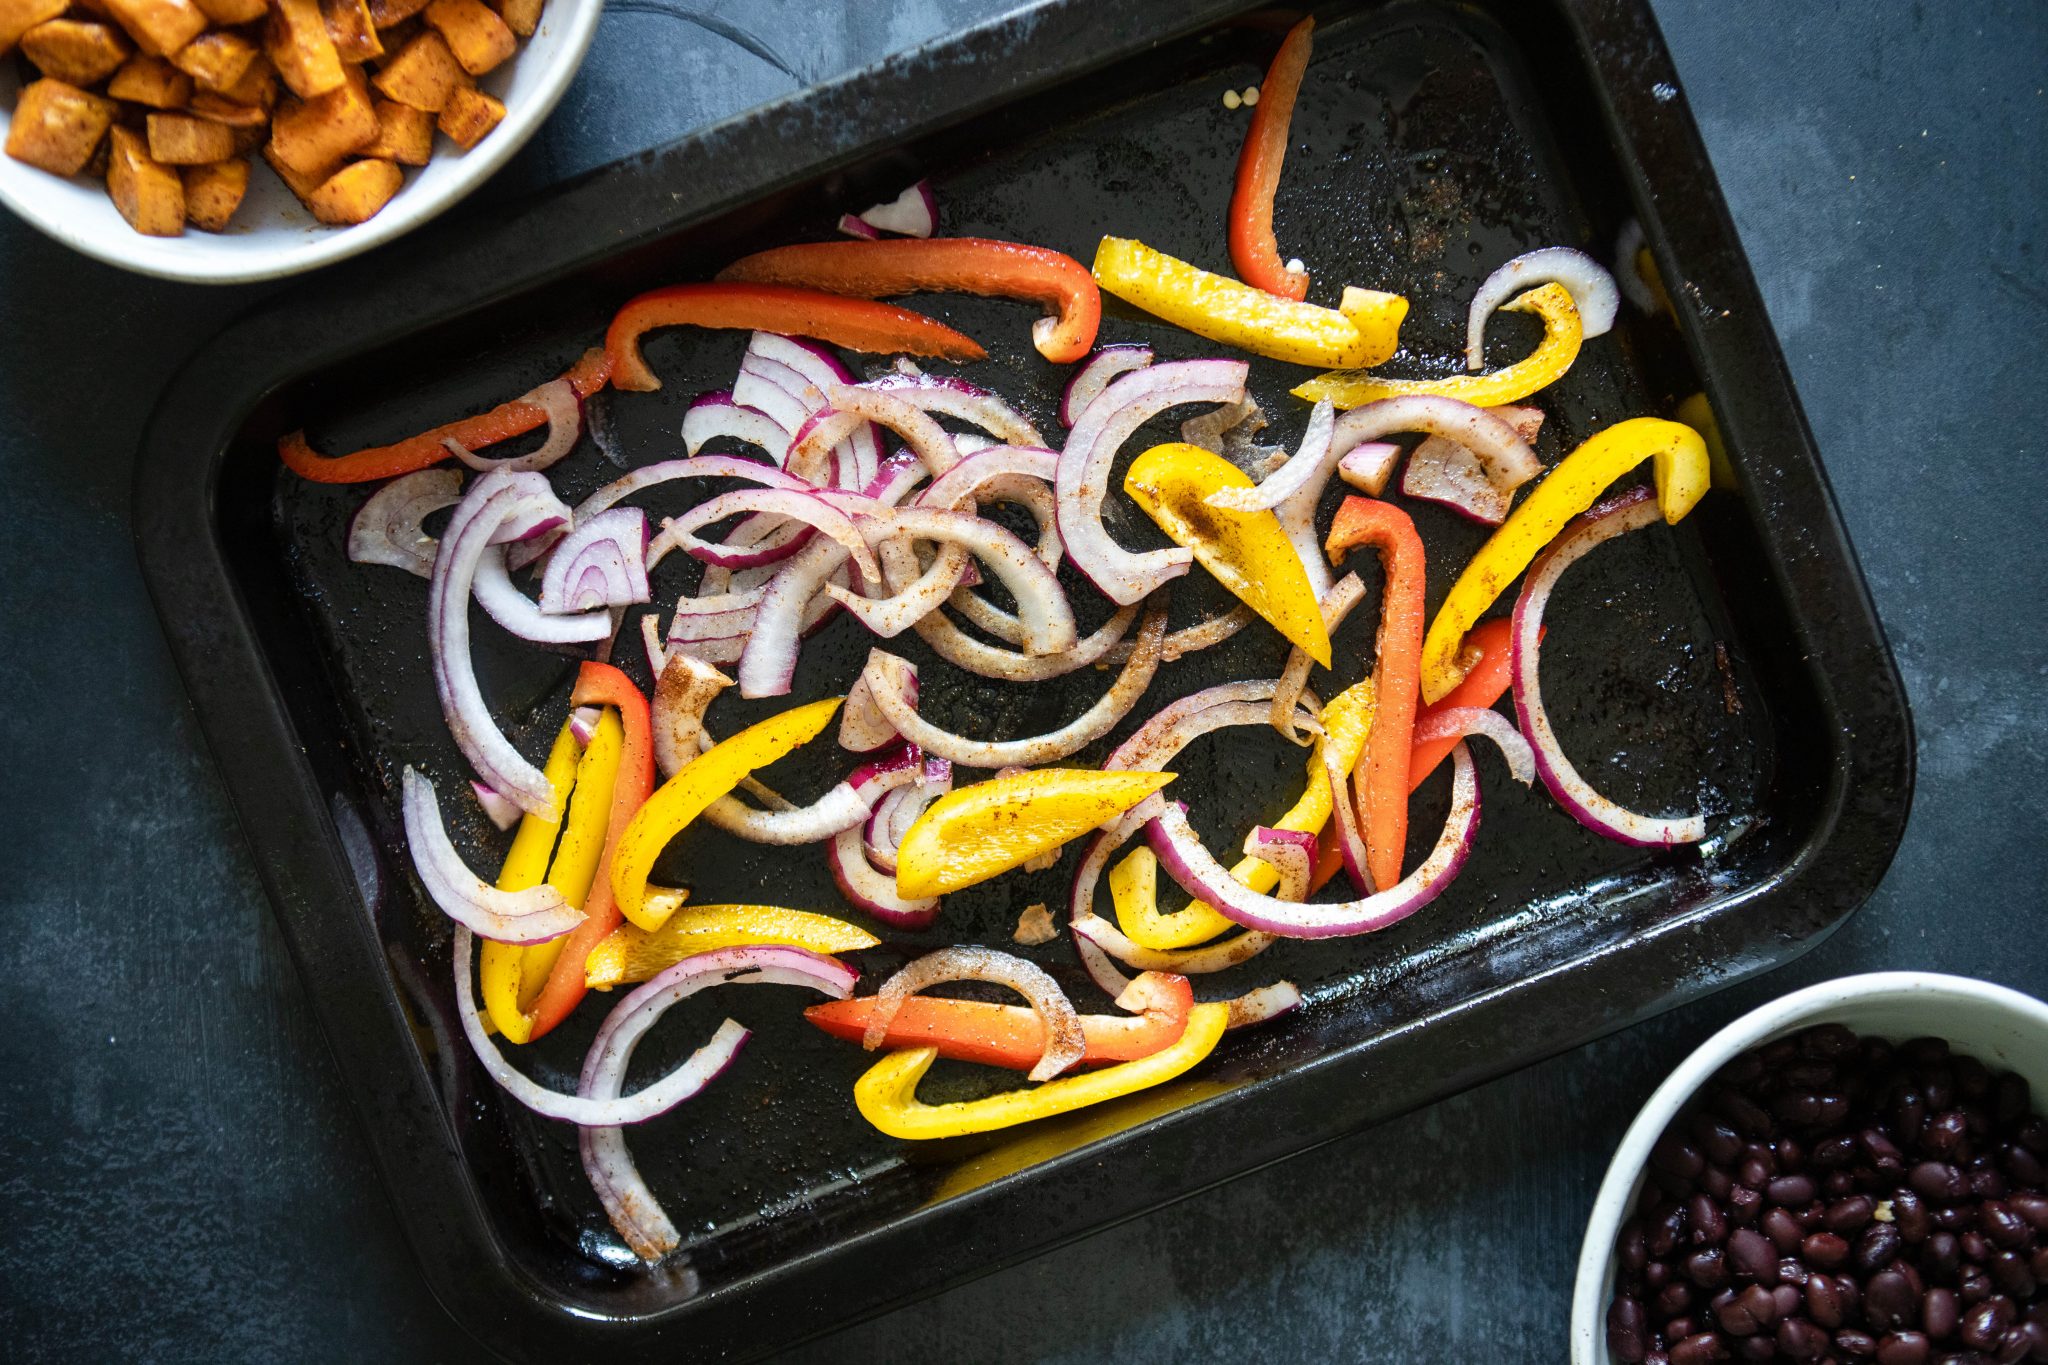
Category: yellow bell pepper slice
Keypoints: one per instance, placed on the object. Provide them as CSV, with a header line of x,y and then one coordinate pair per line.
x,y
1347,720
1680,466
629,953
500,973
1247,552
683,798
974,833
1562,335
1364,328
887,1093
1698,414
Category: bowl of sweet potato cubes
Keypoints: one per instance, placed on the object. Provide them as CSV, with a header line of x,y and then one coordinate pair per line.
x,y
229,140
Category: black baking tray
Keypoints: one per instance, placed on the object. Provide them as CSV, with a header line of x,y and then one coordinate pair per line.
x,y
1735,660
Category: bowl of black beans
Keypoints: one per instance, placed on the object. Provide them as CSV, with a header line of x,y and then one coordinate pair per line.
x,y
1851,1174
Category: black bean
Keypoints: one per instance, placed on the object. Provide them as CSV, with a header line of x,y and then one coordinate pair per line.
x,y
1718,1141
1881,1150
1791,1190
1831,1153
1667,1232
1828,1041
1942,1257
1939,1313
1825,1250
1824,1301
1938,1084
1903,1348
1889,1301
1716,1181
1953,1218
1908,1114
1938,1180
1677,1186
1809,1075
1756,1171
1988,1184
1910,1217
1983,1325
1708,1269
2032,1134
1975,1247
1851,1342
1973,1078
1743,1113
1752,1257
2008,1270
1699,1350
1781,1227
1877,1246
1792,1271
1838,1183
1679,1328
1760,1347
1633,1248
1850,1214
2002,1224
1628,1331
1973,1285
1944,1132
2022,1165
1743,1203
2013,1347
1657,1274
1673,1299
1801,1340
1753,1311
1912,1274
1790,1154
1801,1107
2012,1097
1709,1226
1786,1300
2037,1339
1677,1156
2037,1264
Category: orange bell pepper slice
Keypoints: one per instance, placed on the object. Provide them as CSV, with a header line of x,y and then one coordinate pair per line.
x,y
601,685
1253,248
1397,676
1490,669
857,324
501,423
1010,1035
945,265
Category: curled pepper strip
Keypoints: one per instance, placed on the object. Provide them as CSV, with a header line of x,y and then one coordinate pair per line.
x,y
887,1094
1362,330
629,953
1679,464
685,796
501,423
1562,335
507,988
857,324
945,265
1253,248
1382,775
1488,661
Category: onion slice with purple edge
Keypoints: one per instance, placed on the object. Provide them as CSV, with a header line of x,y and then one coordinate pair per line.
x,y
846,856
1097,721
956,398
531,916
809,371
852,404
845,807
1628,245
492,502
913,213
583,723
1617,516
862,726
649,476
1064,1043
1351,846
496,809
1094,375
1337,604
962,650
893,816
557,398
1043,608
1368,465
387,528
715,415
1082,480
501,599
1592,289
1451,476
798,505
602,562
1193,639
683,691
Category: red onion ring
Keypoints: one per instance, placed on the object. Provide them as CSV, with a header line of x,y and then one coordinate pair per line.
x,y
602,562
1592,289
1628,244
583,723
817,369
386,529
1043,608
850,404
499,596
531,916
1350,834
1267,1002
961,650
1065,1044
913,213
1082,481
956,398
857,879
862,726
716,414
557,398
805,506
1094,375
1197,637
1368,465
1337,604
1617,516
496,809
666,471
893,816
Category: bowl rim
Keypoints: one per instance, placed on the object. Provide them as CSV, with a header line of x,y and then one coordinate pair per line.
x,y
1588,1318
565,59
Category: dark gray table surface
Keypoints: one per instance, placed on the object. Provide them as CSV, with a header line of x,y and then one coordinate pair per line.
x,y
183,1179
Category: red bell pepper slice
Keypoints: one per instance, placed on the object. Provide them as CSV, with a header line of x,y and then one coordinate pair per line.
x,y
857,324
1253,248
1010,1035
601,685
501,423
945,265
1397,676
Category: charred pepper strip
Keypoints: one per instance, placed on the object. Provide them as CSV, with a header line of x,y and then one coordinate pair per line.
x,y
945,265
857,324
1253,248
501,423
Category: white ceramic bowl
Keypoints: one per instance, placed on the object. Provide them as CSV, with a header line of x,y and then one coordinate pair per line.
x,y
272,234
2003,1028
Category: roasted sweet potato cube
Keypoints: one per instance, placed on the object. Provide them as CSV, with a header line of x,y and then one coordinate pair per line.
x,y
387,13
148,193
159,27
297,43
354,193
474,33
300,185
215,61
315,136
226,112
153,81
57,125
258,85
468,115
404,134
348,24
181,140
248,140
19,16
77,51
521,16
421,73
213,193
228,13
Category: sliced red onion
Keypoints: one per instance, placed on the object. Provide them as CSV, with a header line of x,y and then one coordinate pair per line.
x,y
1047,617
913,213
538,520
804,506
496,808
602,562
959,399
895,813
961,650
1082,481
491,501
1368,465
1065,1044
1229,431
532,916
649,476
1289,852
715,415
557,398
1209,958
862,726
819,367
1449,475
387,530
1097,721
1628,245
845,807
853,226
1617,516
769,384
1094,375
1458,722
583,723
1350,833
851,403
501,599
863,886
726,651
1337,604
1591,287
1267,1002
683,691
765,965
